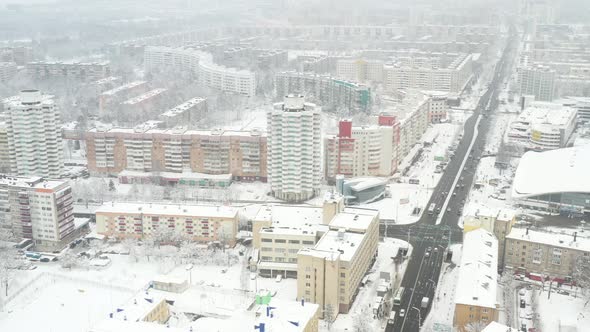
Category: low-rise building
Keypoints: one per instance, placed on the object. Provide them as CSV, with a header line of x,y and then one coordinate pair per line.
x,y
475,297
83,71
202,223
554,181
543,126
186,114
551,255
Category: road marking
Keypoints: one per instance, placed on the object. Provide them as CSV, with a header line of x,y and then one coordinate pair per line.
x,y
412,296
454,185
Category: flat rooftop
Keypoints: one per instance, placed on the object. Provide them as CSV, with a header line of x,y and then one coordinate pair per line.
x,y
345,244
144,96
478,272
122,88
183,107
220,211
354,219
290,215
30,182
564,239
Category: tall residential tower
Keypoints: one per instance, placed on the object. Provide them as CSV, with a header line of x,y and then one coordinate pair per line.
x,y
34,135
294,149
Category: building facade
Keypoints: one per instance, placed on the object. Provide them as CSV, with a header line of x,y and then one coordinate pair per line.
x,y
7,71
37,209
200,64
360,70
330,92
548,254
242,154
193,222
362,151
543,126
82,71
188,113
537,80
294,149
34,135
426,71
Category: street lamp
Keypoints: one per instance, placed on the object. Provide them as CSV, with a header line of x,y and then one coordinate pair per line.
x,y
419,317
189,268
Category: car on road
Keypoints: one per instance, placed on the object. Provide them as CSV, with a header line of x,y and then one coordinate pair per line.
x,y
402,313
436,249
448,209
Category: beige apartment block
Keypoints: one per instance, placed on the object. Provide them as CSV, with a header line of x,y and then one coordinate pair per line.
x,y
202,223
549,254
475,296
330,273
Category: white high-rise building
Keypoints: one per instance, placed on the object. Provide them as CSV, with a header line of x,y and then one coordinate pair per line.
x,y
294,149
34,135
537,80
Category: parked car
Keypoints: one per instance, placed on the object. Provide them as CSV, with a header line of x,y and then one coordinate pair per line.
x,y
402,312
522,303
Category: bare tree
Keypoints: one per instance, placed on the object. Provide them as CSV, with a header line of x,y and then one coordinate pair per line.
x,y
475,326
581,276
130,245
9,263
360,321
329,315
68,260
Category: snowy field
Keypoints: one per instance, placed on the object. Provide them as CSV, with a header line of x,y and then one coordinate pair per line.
x,y
405,197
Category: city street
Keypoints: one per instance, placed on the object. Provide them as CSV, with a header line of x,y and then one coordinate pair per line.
x,y
426,235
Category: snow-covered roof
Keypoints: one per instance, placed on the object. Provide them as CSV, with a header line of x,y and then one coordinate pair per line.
x,y
339,242
497,327
212,211
34,182
124,87
555,239
183,107
363,183
290,215
478,271
144,96
555,171
354,219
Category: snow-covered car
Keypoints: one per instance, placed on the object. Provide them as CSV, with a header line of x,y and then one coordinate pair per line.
x,y
402,312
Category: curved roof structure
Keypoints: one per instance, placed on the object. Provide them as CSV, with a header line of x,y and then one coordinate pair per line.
x,y
555,171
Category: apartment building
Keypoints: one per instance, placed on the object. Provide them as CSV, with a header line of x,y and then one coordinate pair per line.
x,y
7,71
475,299
360,70
200,223
243,154
82,71
330,273
543,126
411,112
201,64
294,149
544,253
537,80
362,151
116,95
17,54
429,71
37,209
34,135
437,107
4,150
330,92
497,221
188,113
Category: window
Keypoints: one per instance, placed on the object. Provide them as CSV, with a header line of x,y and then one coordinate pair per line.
x,y
342,274
556,256
294,241
308,242
307,284
265,249
266,240
537,255
280,241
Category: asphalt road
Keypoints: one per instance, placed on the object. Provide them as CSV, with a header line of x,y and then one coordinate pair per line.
x,y
422,273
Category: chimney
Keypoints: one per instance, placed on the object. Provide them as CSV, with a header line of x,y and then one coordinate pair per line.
x,y
575,236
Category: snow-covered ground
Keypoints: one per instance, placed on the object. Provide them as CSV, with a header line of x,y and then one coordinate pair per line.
x,y
557,312
361,309
405,198
443,305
